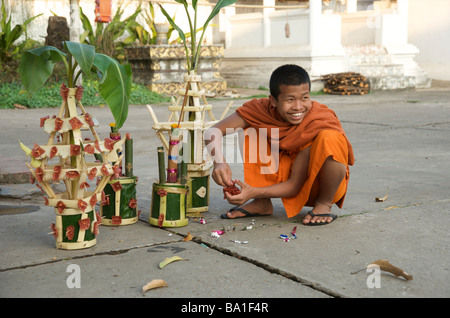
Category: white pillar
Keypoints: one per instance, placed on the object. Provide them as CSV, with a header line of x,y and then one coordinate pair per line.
x,y
402,12
352,6
315,13
266,21
229,12
74,29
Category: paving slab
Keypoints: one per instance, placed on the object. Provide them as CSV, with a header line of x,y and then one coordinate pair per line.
x,y
401,142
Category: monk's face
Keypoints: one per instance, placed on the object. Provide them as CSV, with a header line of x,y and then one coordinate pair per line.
x,y
293,103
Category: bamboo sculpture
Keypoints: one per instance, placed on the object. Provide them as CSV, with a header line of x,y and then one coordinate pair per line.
x,y
191,122
62,159
120,207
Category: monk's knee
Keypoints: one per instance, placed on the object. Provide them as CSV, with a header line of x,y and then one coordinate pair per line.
x,y
331,143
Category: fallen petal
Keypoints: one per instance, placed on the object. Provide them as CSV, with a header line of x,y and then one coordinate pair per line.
x,y
156,283
384,265
169,260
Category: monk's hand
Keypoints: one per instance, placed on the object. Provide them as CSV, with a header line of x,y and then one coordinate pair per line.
x,y
222,174
245,194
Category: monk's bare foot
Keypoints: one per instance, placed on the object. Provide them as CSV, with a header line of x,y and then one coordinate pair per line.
x,y
318,209
257,206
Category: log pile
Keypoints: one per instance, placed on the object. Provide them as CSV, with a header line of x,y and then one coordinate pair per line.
x,y
348,83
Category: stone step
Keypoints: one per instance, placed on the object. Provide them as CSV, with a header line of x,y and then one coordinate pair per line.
x,y
369,59
392,82
378,70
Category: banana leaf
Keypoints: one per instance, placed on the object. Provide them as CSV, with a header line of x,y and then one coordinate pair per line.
x,y
115,86
36,66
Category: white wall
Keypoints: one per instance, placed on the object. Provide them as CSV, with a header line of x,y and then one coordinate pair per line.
x,y
429,30
37,30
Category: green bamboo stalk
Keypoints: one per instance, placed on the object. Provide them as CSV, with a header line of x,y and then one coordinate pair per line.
x,y
129,157
161,165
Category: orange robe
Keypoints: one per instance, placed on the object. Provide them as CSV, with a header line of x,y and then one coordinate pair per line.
x,y
320,129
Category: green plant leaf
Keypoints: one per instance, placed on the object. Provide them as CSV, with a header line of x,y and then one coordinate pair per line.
x,y
219,5
36,66
172,23
88,31
176,27
115,86
83,54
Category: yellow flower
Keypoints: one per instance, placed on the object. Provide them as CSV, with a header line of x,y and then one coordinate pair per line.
x,y
175,126
112,124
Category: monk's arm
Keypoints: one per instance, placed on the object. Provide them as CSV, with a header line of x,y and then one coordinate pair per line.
x,y
285,189
213,141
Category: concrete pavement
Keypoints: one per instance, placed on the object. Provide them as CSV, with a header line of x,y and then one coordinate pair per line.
x,y
401,141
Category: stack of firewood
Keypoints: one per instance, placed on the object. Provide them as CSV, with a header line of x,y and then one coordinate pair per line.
x,y
348,83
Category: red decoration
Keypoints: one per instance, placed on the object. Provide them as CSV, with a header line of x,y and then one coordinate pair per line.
x,y
70,231
88,119
233,190
84,185
109,143
82,205
160,220
53,152
161,192
93,200
105,199
116,186
64,91
79,93
43,119
37,151
72,174
105,171
75,150
75,123
58,124
39,174
60,206
84,223
116,220
92,173
133,203
89,149
56,173
95,229
116,171
54,230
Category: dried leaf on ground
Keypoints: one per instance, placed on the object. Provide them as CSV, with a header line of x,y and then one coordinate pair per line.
x,y
384,265
169,260
382,199
155,283
188,237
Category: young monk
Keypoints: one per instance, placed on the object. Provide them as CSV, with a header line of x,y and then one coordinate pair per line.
x,y
313,158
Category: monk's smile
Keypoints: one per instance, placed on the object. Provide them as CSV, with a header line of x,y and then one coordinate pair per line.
x,y
293,103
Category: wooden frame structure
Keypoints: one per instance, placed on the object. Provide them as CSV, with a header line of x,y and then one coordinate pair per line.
x,y
189,115
64,161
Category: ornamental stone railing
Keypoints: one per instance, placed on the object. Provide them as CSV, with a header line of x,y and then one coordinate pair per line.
x,y
162,67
